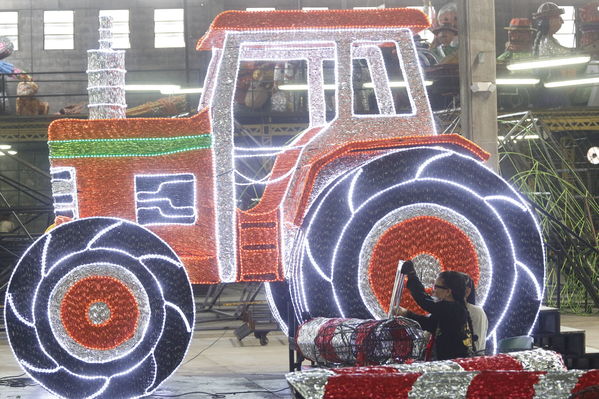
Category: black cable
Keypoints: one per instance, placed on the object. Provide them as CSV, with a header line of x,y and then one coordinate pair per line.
x,y
211,395
16,381
262,391
206,348
12,376
220,395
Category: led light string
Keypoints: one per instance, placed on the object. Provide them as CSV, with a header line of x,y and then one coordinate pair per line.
x,y
188,210
266,180
474,194
45,270
231,37
274,310
382,92
486,200
126,147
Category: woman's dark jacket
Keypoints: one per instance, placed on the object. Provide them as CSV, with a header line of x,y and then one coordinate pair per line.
x,y
448,320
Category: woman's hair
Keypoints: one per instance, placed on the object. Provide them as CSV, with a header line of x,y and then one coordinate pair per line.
x,y
456,283
469,284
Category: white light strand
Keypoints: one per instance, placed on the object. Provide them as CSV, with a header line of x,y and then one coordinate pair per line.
x,y
308,229
440,180
507,199
350,192
188,325
21,318
532,278
376,67
426,163
188,218
274,310
171,305
266,179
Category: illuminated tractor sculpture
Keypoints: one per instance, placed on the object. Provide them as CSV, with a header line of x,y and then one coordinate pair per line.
x,y
102,306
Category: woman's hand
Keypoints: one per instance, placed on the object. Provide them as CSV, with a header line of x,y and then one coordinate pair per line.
x,y
408,268
403,312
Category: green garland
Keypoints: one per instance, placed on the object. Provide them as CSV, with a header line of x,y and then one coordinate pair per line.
x,y
127,147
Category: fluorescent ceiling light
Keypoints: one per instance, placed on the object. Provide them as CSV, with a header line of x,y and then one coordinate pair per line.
x,y
549,62
573,82
182,91
151,87
525,137
11,152
5,146
302,87
515,81
315,8
370,85
260,9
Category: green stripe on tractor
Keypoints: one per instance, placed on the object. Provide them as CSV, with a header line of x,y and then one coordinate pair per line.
x,y
127,147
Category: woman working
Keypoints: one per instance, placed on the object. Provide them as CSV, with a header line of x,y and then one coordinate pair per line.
x,y
449,319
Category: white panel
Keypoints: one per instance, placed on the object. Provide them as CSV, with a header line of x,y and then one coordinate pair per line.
x,y
169,28
9,26
58,42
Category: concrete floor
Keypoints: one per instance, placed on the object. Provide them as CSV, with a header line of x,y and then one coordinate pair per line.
x,y
589,323
218,363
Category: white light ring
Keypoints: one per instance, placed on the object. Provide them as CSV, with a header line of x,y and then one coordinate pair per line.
x,y
39,363
272,305
156,329
402,214
300,284
110,270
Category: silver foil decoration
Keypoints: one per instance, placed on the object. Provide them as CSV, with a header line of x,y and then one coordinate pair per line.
x,y
99,312
427,367
310,383
64,185
447,379
119,273
539,359
106,77
427,267
376,65
357,341
408,212
442,385
314,57
306,334
552,384
348,127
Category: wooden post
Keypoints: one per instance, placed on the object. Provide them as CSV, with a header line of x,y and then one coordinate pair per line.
x,y
478,94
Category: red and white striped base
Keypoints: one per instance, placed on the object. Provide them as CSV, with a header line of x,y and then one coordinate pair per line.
x,y
519,375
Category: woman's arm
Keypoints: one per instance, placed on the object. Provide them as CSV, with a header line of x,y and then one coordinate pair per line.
x,y
427,323
424,300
